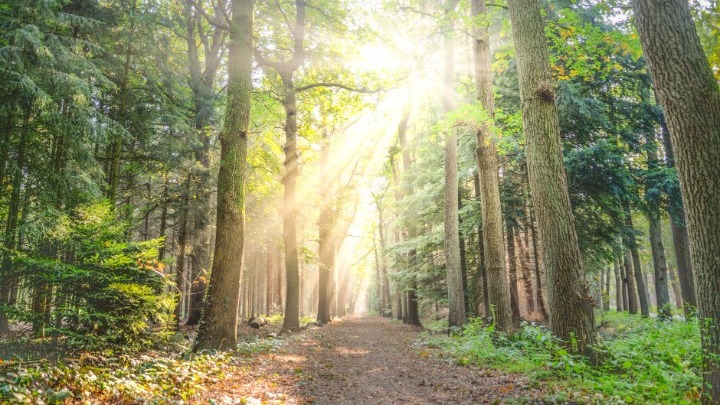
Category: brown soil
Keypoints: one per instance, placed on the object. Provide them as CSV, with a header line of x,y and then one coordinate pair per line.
x,y
368,360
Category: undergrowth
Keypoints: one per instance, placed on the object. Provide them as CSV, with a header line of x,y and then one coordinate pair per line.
x,y
153,377
645,362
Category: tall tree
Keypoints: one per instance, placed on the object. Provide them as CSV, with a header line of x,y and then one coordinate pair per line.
x,y
689,95
218,324
498,289
456,294
571,315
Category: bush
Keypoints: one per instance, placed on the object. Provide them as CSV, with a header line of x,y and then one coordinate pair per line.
x,y
97,290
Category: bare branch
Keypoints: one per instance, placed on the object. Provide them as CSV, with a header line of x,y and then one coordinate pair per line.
x,y
338,85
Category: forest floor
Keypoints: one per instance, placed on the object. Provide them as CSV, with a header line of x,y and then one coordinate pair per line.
x,y
364,360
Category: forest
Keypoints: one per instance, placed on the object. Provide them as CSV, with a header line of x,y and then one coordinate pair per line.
x,y
360,201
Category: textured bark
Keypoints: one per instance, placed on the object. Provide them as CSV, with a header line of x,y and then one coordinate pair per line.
x,y
606,293
571,314
500,297
689,94
630,280
623,278
637,267
219,321
679,233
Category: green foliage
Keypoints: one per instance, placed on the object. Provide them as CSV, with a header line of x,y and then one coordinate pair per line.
x,y
147,378
106,291
644,361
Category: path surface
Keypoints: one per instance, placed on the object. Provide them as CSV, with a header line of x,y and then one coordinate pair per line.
x,y
367,360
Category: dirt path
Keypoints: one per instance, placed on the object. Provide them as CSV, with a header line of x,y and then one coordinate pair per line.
x,y
367,360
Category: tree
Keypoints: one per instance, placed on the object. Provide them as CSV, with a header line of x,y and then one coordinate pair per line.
x,y
689,95
571,316
218,324
456,293
492,237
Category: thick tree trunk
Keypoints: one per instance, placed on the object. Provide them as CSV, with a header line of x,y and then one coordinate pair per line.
x,y
218,324
502,299
689,94
571,314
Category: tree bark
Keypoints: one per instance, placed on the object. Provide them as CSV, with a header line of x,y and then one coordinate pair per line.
x,y
481,254
456,295
326,245
500,295
571,313
689,94
218,324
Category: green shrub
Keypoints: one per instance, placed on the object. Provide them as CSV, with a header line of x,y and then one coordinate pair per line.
x,y
97,290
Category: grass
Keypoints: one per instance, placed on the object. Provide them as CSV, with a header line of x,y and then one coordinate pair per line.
x,y
646,361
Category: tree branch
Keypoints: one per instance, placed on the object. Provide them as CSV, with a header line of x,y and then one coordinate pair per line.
x,y
338,85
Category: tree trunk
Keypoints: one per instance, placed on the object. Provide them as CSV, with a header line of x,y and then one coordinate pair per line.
x,y
632,291
218,324
481,254
689,94
571,313
538,264
637,267
524,255
512,273
180,276
326,245
606,294
502,299
675,287
679,233
655,232
618,286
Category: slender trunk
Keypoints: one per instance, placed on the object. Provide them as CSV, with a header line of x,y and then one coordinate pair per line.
x,y
219,322
662,293
502,297
291,323
571,312
637,267
180,276
524,256
326,242
481,254
632,291
675,286
163,221
606,293
512,273
618,287
538,264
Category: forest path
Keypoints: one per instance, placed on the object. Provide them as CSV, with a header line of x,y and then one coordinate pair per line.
x,y
365,360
